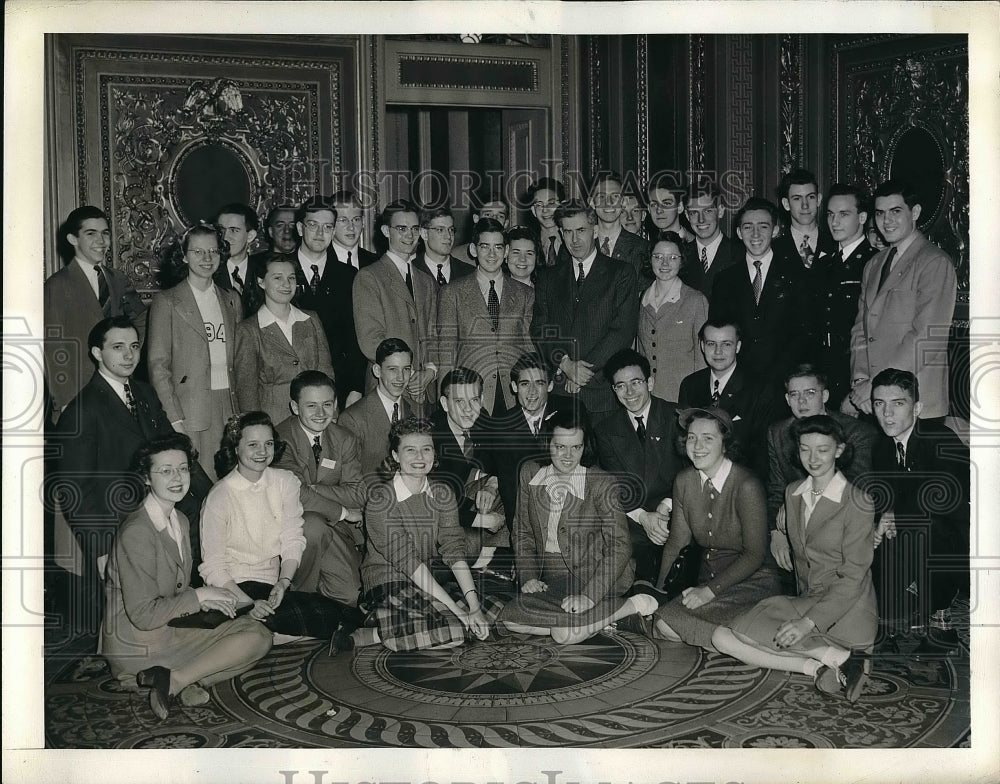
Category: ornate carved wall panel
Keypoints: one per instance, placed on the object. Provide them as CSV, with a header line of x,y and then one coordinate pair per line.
x,y
791,86
696,103
741,115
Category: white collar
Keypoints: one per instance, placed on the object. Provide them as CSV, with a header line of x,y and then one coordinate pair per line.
x,y
723,379
574,482
612,236
159,518
834,490
798,234
388,402
644,414
765,263
86,266
399,262
266,318
307,262
310,435
847,250
904,438
338,247
719,480
588,262
710,247
116,385
402,491
484,283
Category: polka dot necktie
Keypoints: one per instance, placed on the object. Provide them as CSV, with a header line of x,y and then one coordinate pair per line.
x,y
314,282
440,276
493,306
317,449
758,282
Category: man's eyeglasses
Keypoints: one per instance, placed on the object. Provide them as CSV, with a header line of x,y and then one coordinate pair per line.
x,y
805,394
551,204
357,219
635,384
317,226
402,231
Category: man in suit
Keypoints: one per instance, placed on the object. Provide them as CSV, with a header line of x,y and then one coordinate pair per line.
x,y
239,225
612,240
391,301
906,306
638,444
584,311
437,230
710,251
97,435
484,320
545,196
325,457
348,228
327,288
78,296
633,213
807,394
923,532
837,281
459,465
804,238
766,296
490,205
724,384
370,418
664,204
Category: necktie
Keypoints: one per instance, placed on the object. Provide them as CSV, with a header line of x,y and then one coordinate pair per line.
x,y
350,260
884,275
640,429
409,279
605,247
838,257
758,282
709,491
317,449
900,455
237,280
441,280
715,393
103,295
314,282
580,276
704,258
493,306
806,252
534,425
466,444
130,400
395,413
550,256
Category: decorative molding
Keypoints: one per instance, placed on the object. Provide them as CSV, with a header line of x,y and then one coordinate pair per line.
x,y
594,109
741,106
564,98
791,87
696,103
448,72
375,107
642,104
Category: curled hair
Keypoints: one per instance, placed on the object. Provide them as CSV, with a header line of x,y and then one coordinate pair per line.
x,y
623,358
407,426
232,433
575,418
142,460
174,268
730,444
757,203
527,362
485,226
827,426
572,209
524,233
894,377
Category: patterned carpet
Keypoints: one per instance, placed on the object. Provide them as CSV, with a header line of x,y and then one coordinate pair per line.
x,y
616,690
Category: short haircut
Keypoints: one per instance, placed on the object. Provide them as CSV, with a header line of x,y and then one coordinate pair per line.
x,y
260,270
665,181
483,198
309,378
807,369
523,233
225,459
142,460
606,176
893,377
236,208
529,362
757,203
730,446
849,189
717,322
796,177
624,358
346,199
572,209
431,213
396,207
95,339
458,376
827,426
669,236
894,186
312,206
574,418
391,346
484,226
546,184
697,190
273,213
75,220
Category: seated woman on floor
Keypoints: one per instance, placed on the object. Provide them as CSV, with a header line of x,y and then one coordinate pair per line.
x,y
252,537
721,506
412,522
830,530
571,544
148,585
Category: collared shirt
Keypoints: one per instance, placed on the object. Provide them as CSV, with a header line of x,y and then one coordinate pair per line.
x,y
588,262
90,273
545,239
672,294
558,486
711,248
308,263
723,379
534,420
388,402
402,491
644,414
834,491
904,438
266,318
612,237
812,235
342,252
460,435
162,521
484,284
311,435
765,265
433,266
400,263
902,246
847,250
240,267
115,384
719,480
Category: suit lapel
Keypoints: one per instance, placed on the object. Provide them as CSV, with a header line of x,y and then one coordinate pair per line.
x,y
116,405
275,338
187,309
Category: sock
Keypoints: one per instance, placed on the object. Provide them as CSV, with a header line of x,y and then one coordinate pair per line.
x,y
812,667
484,558
834,657
365,636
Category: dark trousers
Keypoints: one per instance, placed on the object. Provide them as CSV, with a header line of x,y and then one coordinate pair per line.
x,y
647,555
307,614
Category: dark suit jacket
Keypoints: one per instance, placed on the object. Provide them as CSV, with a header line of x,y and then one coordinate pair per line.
x,y
457,470
776,333
646,470
367,421
591,324
785,246
365,257
333,302
459,269
71,310
726,255
250,298
635,250
326,489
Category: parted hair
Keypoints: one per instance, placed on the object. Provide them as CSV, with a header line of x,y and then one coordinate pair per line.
x,y
232,434
824,425
142,460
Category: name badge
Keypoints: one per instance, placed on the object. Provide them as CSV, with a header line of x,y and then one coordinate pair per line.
x,y
326,462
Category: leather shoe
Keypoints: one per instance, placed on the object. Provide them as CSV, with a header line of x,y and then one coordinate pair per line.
x,y
826,680
938,644
157,680
637,624
852,672
340,641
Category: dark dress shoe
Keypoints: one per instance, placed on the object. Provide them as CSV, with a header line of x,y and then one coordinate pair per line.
x,y
157,680
341,640
938,644
853,673
636,624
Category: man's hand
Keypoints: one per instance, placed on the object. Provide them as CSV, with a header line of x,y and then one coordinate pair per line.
x,y
419,380
534,586
577,603
578,371
485,499
861,394
886,528
696,597
655,525
352,515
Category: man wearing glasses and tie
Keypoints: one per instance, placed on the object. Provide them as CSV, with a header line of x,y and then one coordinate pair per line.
x,y
437,230
545,196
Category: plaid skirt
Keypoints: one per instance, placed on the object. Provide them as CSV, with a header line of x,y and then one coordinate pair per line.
x,y
408,619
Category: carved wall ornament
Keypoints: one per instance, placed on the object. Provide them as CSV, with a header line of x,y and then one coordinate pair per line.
x,y
696,103
791,88
642,105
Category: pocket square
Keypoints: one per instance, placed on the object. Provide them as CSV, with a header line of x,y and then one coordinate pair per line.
x,y
737,418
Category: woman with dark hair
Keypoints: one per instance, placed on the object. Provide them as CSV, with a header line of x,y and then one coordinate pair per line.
x,y
251,534
148,585
830,527
670,315
277,342
572,545
524,249
411,522
721,506
190,342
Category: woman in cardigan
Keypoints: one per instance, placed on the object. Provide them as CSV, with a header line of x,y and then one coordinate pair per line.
x,y
148,585
277,343
190,339
411,522
721,506
670,315
574,554
252,539
830,530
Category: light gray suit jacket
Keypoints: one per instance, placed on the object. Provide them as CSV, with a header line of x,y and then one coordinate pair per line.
x,y
367,421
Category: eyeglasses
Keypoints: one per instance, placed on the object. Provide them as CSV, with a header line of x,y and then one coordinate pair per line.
x,y
635,384
442,231
199,253
551,204
805,394
658,257
357,219
317,226
404,230
485,247
168,471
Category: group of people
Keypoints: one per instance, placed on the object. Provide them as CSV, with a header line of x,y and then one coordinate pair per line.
x,y
356,447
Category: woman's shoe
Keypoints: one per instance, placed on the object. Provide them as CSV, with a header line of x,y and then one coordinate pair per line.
x,y
340,640
853,676
157,680
826,680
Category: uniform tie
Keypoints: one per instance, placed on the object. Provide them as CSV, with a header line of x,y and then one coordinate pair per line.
x,y
409,279
441,280
466,444
493,306
317,449
130,400
704,258
550,256
605,247
758,282
314,282
884,275
103,294
640,429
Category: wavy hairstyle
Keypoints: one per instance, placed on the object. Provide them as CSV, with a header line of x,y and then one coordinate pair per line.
x,y
174,269
407,426
142,460
232,433
827,426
